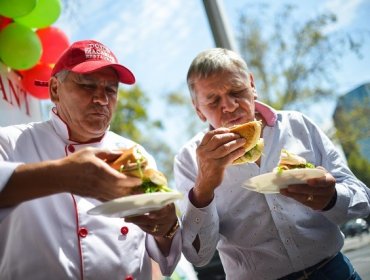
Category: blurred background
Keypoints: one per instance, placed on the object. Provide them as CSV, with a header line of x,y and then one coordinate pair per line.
x,y
311,56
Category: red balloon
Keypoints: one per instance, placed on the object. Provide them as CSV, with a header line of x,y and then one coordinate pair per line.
x,y
40,72
54,42
4,21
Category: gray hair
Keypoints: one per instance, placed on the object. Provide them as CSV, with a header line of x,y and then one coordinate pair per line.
x,y
213,61
62,75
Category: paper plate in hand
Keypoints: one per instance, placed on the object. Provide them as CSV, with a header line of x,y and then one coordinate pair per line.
x,y
134,205
274,181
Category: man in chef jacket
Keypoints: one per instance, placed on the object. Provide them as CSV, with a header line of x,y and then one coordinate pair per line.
x,y
53,172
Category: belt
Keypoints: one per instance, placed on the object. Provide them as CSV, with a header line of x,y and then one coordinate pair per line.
x,y
305,273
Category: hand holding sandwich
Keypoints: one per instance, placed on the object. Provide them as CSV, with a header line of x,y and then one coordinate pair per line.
x,y
218,149
163,223
92,177
83,173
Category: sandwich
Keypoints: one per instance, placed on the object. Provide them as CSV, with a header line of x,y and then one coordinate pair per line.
x,y
254,145
290,160
133,163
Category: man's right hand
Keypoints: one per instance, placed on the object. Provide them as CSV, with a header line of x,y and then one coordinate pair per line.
x,y
218,149
83,173
92,177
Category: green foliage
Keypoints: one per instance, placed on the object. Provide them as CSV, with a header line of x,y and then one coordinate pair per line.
x,y
131,120
292,60
130,112
177,101
352,123
359,166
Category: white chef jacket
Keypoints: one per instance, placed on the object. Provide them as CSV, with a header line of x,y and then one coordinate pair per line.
x,y
53,237
266,236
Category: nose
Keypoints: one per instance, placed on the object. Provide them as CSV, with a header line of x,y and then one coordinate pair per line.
x,y
100,96
229,104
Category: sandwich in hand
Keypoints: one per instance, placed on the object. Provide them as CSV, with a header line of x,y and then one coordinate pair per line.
x,y
289,160
133,163
254,145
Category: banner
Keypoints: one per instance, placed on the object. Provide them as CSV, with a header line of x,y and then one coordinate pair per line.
x,y
16,105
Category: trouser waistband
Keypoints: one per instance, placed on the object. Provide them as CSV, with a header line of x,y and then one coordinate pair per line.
x,y
305,273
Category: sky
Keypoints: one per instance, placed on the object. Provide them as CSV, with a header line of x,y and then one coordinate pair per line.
x,y
158,39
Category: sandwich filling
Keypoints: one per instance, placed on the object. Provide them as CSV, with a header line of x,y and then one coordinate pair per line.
x,y
133,163
290,160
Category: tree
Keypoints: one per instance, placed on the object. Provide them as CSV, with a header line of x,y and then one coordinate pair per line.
x,y
293,61
131,118
352,125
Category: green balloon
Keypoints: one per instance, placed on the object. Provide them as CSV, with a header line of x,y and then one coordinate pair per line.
x,y
20,47
43,15
16,8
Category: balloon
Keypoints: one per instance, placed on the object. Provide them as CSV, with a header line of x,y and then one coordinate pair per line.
x,y
16,8
4,21
54,42
20,47
44,14
40,72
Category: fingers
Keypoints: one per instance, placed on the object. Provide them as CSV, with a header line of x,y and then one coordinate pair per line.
x,y
209,135
218,144
156,223
216,138
316,193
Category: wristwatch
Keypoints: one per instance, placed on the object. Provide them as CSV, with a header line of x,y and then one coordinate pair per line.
x,y
172,230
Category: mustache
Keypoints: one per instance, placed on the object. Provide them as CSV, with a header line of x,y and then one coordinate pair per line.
x,y
97,109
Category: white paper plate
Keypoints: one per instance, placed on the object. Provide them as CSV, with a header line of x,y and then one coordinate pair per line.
x,y
135,204
272,182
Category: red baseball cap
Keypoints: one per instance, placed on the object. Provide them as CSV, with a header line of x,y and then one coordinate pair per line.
x,y
88,56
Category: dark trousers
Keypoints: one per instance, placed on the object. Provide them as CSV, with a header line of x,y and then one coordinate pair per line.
x,y
337,268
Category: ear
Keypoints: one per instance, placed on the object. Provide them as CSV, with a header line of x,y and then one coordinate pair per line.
x,y
199,113
251,79
53,89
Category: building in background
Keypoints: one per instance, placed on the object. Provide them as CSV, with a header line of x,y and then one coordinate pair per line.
x,y
351,116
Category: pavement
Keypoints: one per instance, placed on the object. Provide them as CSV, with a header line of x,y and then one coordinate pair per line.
x,y
353,243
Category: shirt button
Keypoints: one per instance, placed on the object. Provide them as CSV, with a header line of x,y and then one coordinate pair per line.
x,y
71,148
124,230
129,277
83,232
197,220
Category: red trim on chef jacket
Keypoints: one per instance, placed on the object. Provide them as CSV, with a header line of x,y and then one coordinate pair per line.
x,y
78,237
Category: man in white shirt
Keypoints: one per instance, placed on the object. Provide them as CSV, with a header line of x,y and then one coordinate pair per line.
x,y
53,172
293,234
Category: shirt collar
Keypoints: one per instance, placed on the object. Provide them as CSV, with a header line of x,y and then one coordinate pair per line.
x,y
267,112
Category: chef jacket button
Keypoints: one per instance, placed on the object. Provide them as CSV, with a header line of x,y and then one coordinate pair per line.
x,y
129,277
124,230
83,232
71,148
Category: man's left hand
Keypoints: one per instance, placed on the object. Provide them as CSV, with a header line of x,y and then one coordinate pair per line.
x,y
316,194
157,223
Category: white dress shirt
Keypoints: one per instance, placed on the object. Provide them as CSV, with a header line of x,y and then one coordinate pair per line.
x,y
53,237
266,236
